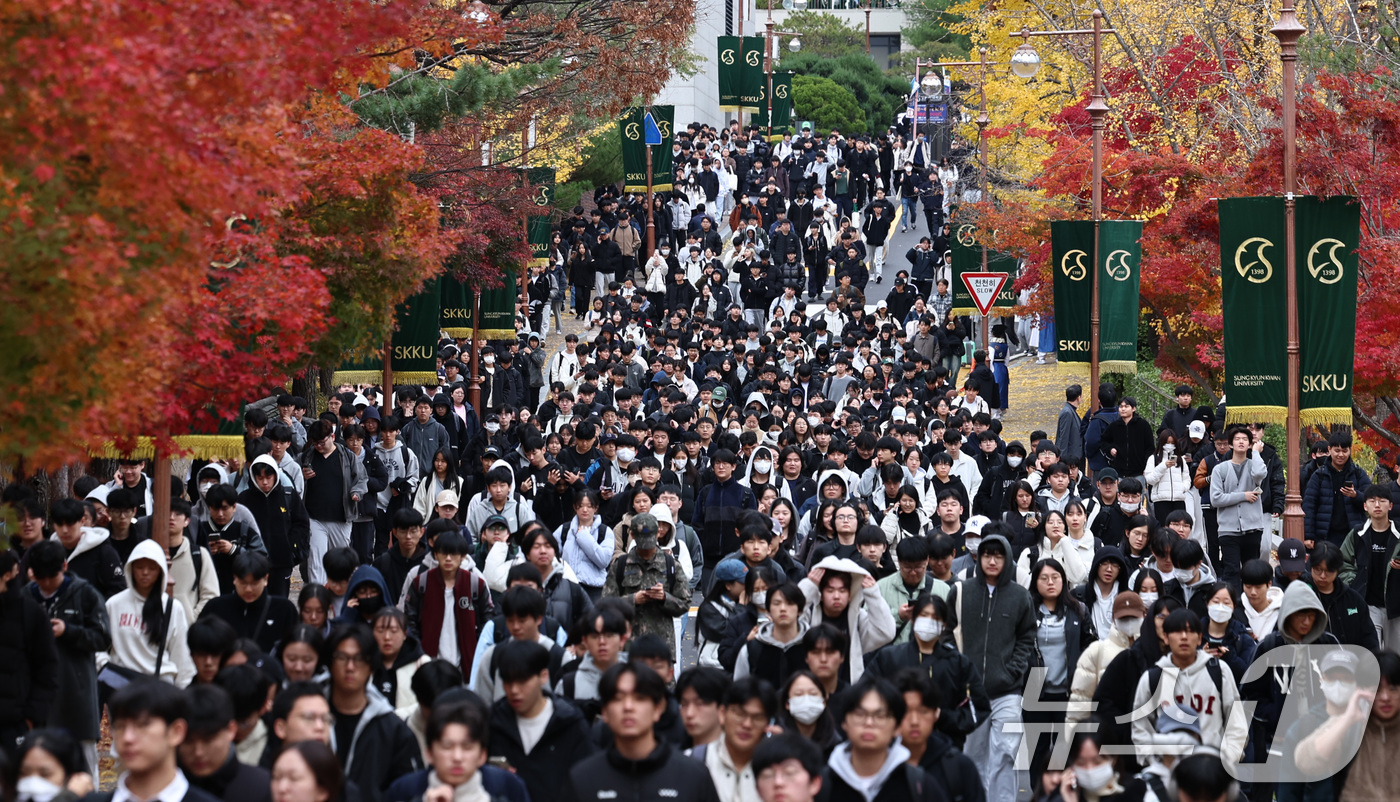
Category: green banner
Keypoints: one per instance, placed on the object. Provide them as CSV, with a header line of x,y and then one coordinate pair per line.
x,y
967,258
1120,274
998,262
632,128
730,73
539,228
782,107
752,78
413,355
497,309
1071,253
1328,235
455,308
1253,301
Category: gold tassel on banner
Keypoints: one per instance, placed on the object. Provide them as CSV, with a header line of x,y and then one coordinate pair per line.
x,y
1117,366
199,446
1259,414
1326,416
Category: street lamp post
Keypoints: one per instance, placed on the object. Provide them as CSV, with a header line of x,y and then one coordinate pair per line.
x,y
770,51
1289,30
924,83
867,27
1025,62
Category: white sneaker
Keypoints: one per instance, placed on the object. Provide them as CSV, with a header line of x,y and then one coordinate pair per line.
x,y
1040,361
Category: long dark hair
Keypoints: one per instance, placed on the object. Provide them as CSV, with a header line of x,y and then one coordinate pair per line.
x,y
824,731
153,613
1065,599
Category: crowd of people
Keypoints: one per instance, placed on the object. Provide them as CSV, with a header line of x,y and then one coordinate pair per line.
x,y
884,595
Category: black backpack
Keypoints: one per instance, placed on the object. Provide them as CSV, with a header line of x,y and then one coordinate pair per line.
x,y
1213,669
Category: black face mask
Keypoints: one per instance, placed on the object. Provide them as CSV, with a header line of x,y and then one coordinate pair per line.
x,y
368,607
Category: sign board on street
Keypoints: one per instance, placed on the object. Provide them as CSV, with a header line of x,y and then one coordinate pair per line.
x,y
984,288
653,133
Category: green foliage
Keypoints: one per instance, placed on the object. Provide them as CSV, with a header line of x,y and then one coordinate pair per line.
x,y
602,160
826,103
879,95
931,31
424,103
824,35
567,195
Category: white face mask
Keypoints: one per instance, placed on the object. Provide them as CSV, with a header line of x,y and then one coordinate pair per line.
x,y
1148,598
1129,626
972,543
760,599
806,709
204,488
814,420
493,427
1014,462
1220,613
1130,508
762,466
36,789
626,454
679,463
1338,692
1183,575
488,359
1095,779
665,251
927,629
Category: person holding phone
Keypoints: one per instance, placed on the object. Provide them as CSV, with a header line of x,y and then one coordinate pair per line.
x,y
1333,502
1238,504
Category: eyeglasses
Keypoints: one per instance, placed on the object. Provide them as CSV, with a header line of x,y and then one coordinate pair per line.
x,y
847,517
789,772
744,715
316,718
864,716
352,659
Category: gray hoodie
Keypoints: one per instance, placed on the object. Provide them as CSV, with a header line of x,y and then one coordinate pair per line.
x,y
840,765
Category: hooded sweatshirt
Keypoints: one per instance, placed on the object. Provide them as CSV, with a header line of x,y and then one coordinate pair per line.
x,y
868,788
95,560
1261,623
774,660
1194,687
868,620
1100,604
996,625
130,648
1271,690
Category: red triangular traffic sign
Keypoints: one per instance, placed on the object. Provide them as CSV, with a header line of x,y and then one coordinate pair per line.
x,y
984,288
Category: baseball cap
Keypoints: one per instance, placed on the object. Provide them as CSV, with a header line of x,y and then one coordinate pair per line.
x,y
1106,475
1340,658
1182,719
1128,605
1196,428
975,524
1292,556
494,520
730,571
448,498
644,529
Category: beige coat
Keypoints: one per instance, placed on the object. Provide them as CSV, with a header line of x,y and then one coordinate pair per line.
x,y
1092,663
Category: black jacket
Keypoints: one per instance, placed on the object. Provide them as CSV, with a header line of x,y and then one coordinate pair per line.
x,y
1134,442
282,519
1114,693
664,774
564,743
955,771
102,567
899,786
383,749
86,631
1079,634
395,567
235,781
998,629
192,795
1348,617
266,621
28,660
965,701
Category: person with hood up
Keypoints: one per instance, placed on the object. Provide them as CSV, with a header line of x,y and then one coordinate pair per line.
x,y
1187,675
374,745
281,517
1302,620
90,556
365,595
776,650
148,627
1108,576
872,766
759,473
996,629
1191,576
832,485
831,596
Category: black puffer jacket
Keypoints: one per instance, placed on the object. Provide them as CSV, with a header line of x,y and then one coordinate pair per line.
x,y
965,702
28,660
564,743
282,519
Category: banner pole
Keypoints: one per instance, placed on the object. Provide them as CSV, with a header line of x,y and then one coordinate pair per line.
x,y
1289,30
1097,111
982,121
387,385
474,392
651,217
